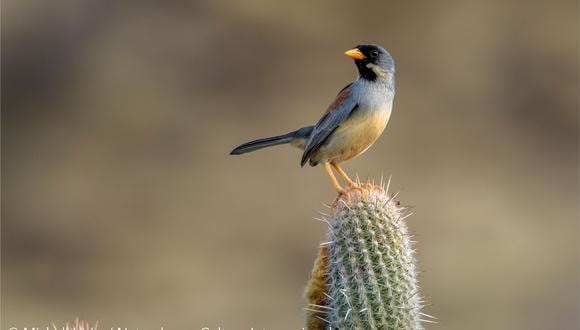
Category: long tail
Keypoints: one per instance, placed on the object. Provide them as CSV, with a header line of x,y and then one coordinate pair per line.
x,y
303,133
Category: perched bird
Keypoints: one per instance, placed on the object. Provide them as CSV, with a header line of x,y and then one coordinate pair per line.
x,y
353,121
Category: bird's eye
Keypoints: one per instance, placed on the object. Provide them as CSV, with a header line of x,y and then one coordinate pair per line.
x,y
374,53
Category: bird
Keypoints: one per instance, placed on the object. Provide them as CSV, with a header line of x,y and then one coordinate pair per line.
x,y
351,123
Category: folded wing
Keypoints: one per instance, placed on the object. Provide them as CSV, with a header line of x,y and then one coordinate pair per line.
x,y
338,111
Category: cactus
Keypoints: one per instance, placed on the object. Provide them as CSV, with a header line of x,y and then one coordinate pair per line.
x,y
365,275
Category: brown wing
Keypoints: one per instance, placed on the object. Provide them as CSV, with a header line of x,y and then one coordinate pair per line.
x,y
341,96
342,106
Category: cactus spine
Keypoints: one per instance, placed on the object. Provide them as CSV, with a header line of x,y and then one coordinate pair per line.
x,y
369,279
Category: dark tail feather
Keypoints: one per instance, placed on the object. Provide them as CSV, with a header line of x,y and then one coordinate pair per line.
x,y
303,133
262,143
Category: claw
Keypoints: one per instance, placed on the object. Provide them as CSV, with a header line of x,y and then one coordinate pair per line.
x,y
355,186
341,192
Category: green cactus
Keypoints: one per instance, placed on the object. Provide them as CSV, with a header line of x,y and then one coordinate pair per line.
x,y
365,276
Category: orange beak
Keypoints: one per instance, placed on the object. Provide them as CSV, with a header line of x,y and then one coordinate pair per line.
x,y
355,53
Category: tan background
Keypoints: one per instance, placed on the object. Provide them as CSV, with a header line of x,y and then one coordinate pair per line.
x,y
121,204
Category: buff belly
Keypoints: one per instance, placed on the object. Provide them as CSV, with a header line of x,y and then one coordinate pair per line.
x,y
353,137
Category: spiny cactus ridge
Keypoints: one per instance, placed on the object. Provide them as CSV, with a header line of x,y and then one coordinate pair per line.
x,y
365,275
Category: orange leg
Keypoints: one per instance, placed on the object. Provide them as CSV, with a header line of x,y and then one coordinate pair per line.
x,y
341,190
335,183
343,174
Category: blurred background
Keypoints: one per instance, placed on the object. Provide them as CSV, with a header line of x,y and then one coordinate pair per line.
x,y
121,203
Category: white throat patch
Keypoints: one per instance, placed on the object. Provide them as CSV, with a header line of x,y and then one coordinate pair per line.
x,y
377,70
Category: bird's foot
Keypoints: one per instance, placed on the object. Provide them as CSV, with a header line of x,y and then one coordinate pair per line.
x,y
341,193
357,187
361,188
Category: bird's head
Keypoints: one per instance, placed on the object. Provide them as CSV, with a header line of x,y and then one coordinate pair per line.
x,y
373,62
